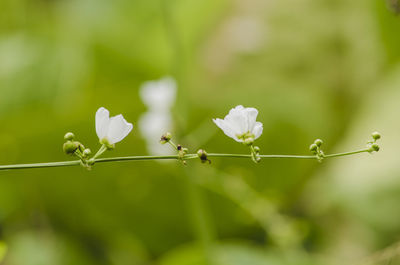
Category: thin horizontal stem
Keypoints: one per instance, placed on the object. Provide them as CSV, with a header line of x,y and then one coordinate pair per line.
x,y
168,157
42,165
133,158
348,153
262,156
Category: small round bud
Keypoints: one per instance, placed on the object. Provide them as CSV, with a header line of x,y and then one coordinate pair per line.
x,y
318,142
257,149
70,147
313,148
202,154
376,136
69,136
87,152
165,138
375,147
249,141
185,150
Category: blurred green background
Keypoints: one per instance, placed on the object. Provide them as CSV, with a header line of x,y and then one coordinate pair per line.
x,y
314,69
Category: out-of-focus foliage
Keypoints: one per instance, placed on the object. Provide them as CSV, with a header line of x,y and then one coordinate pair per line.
x,y
327,69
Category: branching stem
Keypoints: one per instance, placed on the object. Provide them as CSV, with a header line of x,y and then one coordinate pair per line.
x,y
168,157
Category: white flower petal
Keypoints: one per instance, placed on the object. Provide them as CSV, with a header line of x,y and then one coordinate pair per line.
x,y
118,129
237,120
251,117
238,108
102,122
225,127
257,130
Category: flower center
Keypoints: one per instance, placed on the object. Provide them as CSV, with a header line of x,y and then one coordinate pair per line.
x,y
245,136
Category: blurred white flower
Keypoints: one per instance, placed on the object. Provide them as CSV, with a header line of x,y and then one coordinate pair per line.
x,y
153,124
111,130
159,97
240,124
160,94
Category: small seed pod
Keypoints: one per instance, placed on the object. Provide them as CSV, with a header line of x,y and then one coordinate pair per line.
x,y
165,138
202,154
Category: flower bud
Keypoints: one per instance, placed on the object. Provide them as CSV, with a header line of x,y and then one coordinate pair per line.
x,y
69,136
313,148
318,142
87,152
70,147
376,136
165,138
374,147
256,149
249,141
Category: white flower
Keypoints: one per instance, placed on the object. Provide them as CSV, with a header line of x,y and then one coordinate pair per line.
x,y
241,124
159,95
111,130
152,125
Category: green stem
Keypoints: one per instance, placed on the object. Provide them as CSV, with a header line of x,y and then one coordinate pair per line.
x,y
168,157
349,153
101,151
173,145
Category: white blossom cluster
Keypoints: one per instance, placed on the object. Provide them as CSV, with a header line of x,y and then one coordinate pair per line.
x,y
240,124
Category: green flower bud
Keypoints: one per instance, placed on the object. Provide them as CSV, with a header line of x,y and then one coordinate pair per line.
x,y
87,152
256,149
165,138
318,142
313,148
249,141
374,147
69,136
376,136
70,147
